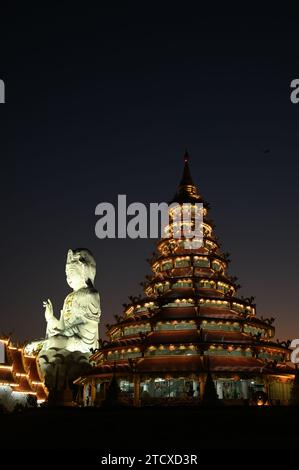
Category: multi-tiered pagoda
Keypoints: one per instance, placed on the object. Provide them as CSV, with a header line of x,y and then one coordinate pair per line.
x,y
190,323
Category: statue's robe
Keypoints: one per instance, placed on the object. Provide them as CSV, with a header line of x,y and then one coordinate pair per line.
x,y
78,323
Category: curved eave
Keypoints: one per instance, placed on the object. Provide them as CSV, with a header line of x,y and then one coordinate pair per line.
x,y
183,196
16,359
202,251
188,364
186,312
7,377
194,336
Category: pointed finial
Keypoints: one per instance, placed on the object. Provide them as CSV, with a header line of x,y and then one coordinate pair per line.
x,y
186,178
187,191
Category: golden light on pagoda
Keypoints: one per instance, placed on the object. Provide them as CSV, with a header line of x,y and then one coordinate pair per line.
x,y
196,320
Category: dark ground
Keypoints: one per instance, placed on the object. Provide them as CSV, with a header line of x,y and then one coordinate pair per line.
x,y
152,428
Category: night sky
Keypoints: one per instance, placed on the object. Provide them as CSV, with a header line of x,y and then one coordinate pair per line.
x,y
101,102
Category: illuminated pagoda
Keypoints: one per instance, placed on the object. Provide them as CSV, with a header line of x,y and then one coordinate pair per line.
x,y
190,324
20,377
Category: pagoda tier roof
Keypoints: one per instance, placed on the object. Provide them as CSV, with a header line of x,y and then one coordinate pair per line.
x,y
198,294
136,318
6,376
201,251
187,271
174,292
192,292
188,364
178,292
109,367
283,368
16,358
196,364
203,312
220,313
40,392
214,293
195,294
190,313
190,336
24,385
176,312
241,364
130,340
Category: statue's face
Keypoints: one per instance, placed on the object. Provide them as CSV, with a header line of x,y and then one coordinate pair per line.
x,y
75,274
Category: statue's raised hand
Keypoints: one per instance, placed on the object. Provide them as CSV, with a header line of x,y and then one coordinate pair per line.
x,y
48,310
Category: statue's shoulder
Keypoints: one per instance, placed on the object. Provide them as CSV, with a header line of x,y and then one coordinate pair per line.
x,y
87,296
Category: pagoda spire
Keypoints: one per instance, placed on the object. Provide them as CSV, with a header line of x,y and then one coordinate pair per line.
x,y
187,191
186,178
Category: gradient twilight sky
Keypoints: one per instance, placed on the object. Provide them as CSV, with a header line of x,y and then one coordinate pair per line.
x,y
103,101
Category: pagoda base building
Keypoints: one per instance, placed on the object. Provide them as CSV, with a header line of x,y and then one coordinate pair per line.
x,y
190,323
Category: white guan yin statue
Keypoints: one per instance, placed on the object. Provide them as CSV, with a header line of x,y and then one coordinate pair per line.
x,y
63,355
77,329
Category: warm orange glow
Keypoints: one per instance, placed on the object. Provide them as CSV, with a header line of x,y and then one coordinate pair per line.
x,y
11,384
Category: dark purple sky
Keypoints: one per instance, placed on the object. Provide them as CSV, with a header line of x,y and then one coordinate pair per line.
x,y
102,102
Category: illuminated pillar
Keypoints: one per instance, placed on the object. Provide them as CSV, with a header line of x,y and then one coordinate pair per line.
x,y
219,389
244,389
195,388
137,390
93,391
84,393
202,381
87,393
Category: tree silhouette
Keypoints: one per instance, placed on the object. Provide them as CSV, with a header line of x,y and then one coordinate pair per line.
x,y
112,399
210,396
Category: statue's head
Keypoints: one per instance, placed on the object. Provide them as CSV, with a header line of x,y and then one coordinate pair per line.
x,y
80,268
